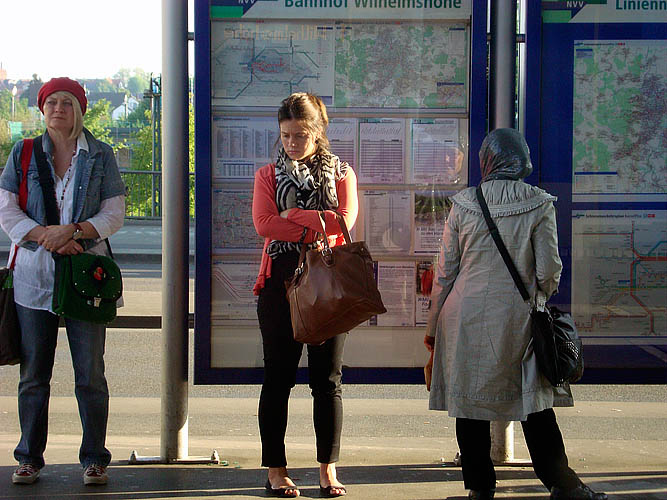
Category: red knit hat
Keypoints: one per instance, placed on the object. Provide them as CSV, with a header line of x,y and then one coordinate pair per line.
x,y
63,83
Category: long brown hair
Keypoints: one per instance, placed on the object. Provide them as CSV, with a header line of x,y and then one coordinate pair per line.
x,y
311,112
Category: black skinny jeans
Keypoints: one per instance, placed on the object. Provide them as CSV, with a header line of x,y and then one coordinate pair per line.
x,y
545,445
281,360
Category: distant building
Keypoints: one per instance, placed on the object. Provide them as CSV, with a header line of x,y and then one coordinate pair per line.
x,y
114,98
121,112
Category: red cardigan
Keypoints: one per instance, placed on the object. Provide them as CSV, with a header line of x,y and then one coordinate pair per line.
x,y
272,226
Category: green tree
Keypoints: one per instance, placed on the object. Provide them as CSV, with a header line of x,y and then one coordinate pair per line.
x,y
137,84
191,156
140,193
123,74
98,120
21,114
141,116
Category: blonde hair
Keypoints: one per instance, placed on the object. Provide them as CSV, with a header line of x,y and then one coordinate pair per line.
x,y
77,127
311,112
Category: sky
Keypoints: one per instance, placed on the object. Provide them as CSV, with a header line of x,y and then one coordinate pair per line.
x,y
81,38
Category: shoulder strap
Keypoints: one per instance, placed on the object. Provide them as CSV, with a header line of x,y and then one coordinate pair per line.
x,y
493,229
47,184
26,156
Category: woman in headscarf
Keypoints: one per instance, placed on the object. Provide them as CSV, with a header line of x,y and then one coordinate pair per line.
x,y
89,206
288,196
484,366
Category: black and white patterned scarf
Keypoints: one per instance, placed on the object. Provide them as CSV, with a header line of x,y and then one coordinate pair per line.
x,y
310,186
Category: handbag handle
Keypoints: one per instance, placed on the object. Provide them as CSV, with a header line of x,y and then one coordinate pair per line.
x,y
326,251
493,229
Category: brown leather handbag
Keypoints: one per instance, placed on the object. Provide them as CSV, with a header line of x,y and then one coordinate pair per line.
x,y
333,289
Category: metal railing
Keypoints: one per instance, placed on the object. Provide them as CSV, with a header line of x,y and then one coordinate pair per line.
x,y
143,190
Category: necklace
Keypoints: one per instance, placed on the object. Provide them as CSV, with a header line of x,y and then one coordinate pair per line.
x,y
70,174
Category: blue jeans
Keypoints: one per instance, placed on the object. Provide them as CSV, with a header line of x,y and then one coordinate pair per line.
x,y
39,335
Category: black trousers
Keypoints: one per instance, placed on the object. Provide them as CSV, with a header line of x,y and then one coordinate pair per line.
x,y
281,360
545,445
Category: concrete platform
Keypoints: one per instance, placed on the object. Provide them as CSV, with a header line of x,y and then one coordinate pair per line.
x,y
392,448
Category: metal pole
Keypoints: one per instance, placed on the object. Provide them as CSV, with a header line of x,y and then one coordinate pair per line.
x,y
153,155
174,425
502,85
502,442
502,64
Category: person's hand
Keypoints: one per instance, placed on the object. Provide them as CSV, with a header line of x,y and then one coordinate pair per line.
x,y
429,342
55,237
72,247
285,213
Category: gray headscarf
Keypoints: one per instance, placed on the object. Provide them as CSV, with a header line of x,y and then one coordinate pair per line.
x,y
504,155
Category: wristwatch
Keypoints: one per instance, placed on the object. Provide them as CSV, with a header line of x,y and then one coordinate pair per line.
x,y
78,231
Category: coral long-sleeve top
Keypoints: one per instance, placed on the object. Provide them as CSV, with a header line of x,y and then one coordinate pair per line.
x,y
272,226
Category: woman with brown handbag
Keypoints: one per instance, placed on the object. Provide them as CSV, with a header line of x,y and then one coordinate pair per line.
x,y
288,196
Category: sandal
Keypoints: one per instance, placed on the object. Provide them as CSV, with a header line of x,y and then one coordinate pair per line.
x,y
328,491
282,491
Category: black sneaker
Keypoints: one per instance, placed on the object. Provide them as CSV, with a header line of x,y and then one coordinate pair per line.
x,y
481,494
581,492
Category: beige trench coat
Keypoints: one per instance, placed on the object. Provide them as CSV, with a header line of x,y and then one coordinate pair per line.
x,y
484,366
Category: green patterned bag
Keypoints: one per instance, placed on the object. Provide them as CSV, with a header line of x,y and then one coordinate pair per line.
x,y
87,287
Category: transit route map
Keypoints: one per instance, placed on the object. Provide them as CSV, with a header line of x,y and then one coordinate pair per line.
x,y
619,272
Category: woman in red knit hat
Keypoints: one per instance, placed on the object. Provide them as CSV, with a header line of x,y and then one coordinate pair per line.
x,y
89,206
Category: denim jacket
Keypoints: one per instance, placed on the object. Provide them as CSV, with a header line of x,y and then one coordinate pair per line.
x,y
97,179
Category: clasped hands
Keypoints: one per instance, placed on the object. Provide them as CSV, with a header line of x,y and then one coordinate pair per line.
x,y
59,239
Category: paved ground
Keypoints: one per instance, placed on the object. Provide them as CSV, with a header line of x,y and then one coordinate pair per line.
x,y
393,447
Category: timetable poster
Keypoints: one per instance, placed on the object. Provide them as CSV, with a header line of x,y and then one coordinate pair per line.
x,y
387,221
243,145
342,134
381,151
437,157
431,211
396,285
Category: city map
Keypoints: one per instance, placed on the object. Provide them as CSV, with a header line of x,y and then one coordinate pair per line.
x,y
619,272
355,65
401,65
619,117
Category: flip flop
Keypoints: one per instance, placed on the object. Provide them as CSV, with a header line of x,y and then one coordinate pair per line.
x,y
328,491
280,492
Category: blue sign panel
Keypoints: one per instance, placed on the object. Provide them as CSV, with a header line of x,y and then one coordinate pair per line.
x,y
599,75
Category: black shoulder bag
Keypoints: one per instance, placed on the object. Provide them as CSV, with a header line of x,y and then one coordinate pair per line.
x,y
556,343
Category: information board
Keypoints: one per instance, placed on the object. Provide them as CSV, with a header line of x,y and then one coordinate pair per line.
x,y
601,81
404,82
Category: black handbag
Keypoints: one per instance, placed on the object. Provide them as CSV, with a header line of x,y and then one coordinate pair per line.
x,y
556,342
10,330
